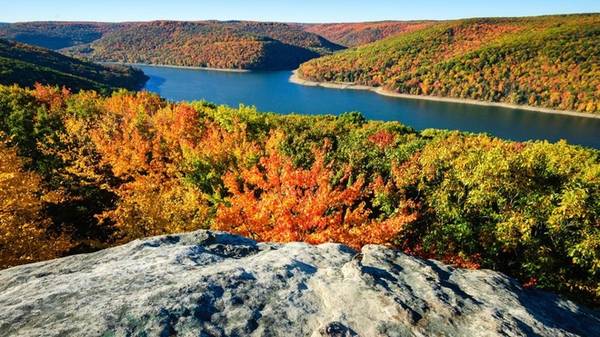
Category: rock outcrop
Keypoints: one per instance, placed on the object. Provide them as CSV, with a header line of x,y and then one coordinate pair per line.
x,y
214,284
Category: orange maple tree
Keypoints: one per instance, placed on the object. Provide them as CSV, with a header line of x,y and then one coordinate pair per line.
x,y
275,201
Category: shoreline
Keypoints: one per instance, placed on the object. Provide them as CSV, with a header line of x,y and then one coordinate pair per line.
x,y
180,67
296,79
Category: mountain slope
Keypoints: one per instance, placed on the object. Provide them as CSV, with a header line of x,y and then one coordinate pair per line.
x,y
551,62
356,34
56,35
25,65
227,44
215,284
232,45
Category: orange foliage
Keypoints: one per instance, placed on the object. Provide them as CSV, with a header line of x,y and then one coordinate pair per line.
x,y
274,201
25,234
52,97
126,136
356,34
145,141
383,138
465,38
222,146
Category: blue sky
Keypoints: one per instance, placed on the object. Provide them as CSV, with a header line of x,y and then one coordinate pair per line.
x,y
281,10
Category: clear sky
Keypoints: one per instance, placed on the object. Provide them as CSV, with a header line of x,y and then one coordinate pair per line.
x,y
281,10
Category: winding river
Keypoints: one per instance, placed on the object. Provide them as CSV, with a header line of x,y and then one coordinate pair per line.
x,y
272,91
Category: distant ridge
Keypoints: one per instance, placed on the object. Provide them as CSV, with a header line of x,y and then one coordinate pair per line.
x,y
355,34
216,44
56,35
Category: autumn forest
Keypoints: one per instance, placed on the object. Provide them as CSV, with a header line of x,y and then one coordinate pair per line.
x,y
82,171
550,62
89,160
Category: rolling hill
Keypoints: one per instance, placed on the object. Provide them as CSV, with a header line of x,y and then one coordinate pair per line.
x,y
551,62
25,65
356,34
229,44
56,35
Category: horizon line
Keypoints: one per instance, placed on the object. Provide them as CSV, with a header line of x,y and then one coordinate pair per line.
x,y
301,22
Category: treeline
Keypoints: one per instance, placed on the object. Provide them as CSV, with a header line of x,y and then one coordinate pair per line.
x,y
56,35
79,172
233,45
26,65
551,62
357,34
217,44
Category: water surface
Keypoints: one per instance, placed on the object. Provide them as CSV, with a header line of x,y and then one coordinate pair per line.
x,y
272,91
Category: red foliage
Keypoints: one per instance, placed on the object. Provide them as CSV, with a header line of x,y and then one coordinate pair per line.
x,y
52,97
274,201
355,34
382,138
531,283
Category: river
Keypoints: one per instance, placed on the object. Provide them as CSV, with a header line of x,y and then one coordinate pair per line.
x,y
272,91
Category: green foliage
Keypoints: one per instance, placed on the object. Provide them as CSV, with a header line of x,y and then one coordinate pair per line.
x,y
550,62
26,65
133,164
353,117
55,35
530,210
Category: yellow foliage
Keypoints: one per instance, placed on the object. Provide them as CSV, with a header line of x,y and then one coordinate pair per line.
x,y
24,229
149,206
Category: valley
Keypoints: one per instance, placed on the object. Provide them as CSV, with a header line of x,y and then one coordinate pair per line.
x,y
211,44
276,92
550,63
322,169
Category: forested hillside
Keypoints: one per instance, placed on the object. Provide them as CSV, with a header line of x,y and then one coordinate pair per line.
x,y
551,62
56,35
227,44
231,45
82,171
356,34
26,65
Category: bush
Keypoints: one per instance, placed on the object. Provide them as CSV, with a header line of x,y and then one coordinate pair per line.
x,y
530,210
133,165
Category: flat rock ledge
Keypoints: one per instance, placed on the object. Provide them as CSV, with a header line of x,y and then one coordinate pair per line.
x,y
205,284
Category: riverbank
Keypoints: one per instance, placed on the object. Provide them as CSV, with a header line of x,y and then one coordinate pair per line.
x,y
180,67
296,79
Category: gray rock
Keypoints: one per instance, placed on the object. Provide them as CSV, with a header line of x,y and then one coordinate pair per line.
x,y
205,284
